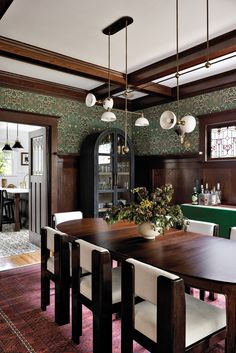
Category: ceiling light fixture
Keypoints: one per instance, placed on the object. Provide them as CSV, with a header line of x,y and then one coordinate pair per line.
x,y
107,103
168,119
17,145
7,147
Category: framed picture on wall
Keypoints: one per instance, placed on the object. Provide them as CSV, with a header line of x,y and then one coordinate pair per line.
x,y
24,158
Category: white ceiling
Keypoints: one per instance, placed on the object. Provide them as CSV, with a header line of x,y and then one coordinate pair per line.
x,y
74,28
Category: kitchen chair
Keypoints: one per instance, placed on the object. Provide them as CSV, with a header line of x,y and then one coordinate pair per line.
x,y
232,233
55,266
100,291
167,320
206,228
6,209
66,216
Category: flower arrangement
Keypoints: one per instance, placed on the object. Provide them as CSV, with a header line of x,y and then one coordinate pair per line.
x,y
155,208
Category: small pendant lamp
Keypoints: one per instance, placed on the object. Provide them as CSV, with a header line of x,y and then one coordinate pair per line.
x,y
17,145
7,147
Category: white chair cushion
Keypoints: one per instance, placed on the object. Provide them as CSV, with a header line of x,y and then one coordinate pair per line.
x,y
86,285
146,280
201,319
66,216
86,250
233,233
201,227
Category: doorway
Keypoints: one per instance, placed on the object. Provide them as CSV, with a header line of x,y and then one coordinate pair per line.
x,y
50,125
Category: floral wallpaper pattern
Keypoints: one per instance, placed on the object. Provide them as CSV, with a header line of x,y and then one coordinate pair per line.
x,y
76,120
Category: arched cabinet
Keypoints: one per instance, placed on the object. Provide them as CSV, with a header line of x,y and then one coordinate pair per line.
x,y
106,172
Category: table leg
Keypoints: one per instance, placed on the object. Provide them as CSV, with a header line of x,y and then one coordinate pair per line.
x,y
230,342
17,212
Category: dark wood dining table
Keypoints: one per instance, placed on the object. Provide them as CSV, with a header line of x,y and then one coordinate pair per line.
x,y
203,261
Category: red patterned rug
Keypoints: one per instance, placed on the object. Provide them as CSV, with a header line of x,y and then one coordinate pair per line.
x,y
25,328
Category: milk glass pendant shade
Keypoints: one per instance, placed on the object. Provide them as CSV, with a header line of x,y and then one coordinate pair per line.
x,y
187,124
108,103
108,116
168,120
142,121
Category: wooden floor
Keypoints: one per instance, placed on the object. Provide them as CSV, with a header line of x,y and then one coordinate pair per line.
x,y
7,263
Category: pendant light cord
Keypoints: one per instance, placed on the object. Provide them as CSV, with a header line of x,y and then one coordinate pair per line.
x,y
208,64
126,82
109,65
177,56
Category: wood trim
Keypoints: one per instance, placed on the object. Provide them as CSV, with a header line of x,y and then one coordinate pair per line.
x,y
219,46
15,81
155,88
34,55
4,5
46,121
205,85
212,119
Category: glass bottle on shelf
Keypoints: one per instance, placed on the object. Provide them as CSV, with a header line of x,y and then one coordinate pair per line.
x,y
218,194
194,196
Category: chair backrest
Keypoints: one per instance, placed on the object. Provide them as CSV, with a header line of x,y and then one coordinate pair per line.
x,y
50,237
232,233
66,216
206,228
86,252
145,279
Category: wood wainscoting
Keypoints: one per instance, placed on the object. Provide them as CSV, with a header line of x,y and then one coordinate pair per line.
x,y
182,171
68,169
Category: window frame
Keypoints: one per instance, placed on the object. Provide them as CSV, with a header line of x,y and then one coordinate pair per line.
x,y
208,122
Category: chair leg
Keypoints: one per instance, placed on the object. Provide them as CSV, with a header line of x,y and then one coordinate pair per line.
x,y
202,294
213,296
62,303
76,322
187,290
45,293
102,332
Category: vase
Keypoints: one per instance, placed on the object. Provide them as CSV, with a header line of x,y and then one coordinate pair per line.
x,y
147,231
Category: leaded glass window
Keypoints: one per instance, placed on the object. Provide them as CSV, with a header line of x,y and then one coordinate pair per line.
x,y
223,142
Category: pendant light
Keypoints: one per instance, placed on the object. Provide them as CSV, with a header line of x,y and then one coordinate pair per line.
x,y
17,145
169,119
108,115
7,147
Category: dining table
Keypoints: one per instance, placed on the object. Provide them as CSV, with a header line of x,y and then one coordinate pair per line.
x,y
16,193
204,262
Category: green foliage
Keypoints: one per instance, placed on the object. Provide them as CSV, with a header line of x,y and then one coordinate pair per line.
x,y
2,164
155,208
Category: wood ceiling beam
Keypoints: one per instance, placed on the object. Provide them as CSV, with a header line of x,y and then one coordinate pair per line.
x,y
222,45
15,81
4,5
28,53
202,86
151,87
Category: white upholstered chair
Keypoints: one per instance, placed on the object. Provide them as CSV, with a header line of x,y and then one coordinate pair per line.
x,y
206,228
232,233
55,266
100,291
66,216
167,320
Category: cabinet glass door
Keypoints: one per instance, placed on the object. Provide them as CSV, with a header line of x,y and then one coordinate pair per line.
x,y
105,201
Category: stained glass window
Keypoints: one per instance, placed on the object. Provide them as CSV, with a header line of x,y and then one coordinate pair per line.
x,y
223,142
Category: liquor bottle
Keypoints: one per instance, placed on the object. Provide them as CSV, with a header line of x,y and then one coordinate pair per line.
x,y
194,196
218,194
213,196
206,196
201,196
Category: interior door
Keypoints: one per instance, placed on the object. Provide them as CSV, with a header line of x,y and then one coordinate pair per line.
x,y
38,184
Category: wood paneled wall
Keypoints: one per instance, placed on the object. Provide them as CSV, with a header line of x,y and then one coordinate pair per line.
x,y
182,171
152,171
68,182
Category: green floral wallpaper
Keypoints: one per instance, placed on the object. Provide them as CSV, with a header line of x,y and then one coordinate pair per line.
x,y
76,120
